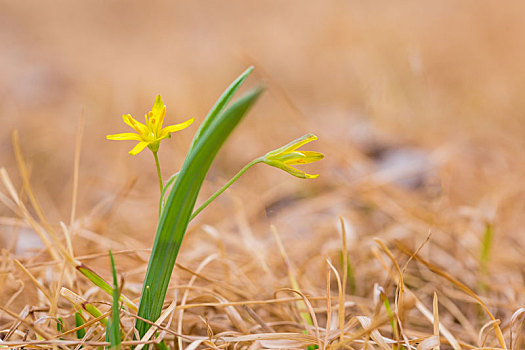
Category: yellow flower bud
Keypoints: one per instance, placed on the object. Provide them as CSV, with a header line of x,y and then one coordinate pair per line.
x,y
288,155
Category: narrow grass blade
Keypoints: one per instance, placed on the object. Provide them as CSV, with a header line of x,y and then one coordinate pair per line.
x,y
350,281
161,346
486,246
83,304
113,329
79,321
60,325
390,314
102,284
484,257
95,312
181,201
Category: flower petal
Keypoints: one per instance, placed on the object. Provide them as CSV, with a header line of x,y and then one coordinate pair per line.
x,y
287,157
161,119
176,127
297,173
309,157
291,170
292,146
299,142
138,126
124,136
157,108
138,148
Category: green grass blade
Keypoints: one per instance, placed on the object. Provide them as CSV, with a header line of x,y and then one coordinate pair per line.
x,y
161,346
351,282
60,325
95,312
484,257
79,321
486,247
95,278
113,329
219,106
181,201
102,284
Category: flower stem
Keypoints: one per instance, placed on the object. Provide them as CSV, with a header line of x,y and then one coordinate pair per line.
x,y
225,187
158,170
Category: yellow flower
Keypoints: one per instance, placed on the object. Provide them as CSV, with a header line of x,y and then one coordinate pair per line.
x,y
152,132
288,155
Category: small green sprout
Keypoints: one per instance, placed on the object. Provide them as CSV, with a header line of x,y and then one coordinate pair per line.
x,y
78,323
113,327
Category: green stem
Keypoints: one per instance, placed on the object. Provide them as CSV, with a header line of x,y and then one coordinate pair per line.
x,y
158,170
225,187
166,188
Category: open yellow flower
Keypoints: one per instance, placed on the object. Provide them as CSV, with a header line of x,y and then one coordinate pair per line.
x,y
288,155
151,133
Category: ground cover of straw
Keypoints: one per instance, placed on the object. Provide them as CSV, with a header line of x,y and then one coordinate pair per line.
x,y
232,287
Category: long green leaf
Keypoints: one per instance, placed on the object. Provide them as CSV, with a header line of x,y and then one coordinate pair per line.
x,y
79,322
102,284
181,201
113,328
219,106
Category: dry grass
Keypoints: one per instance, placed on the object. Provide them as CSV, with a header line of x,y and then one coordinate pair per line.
x,y
419,111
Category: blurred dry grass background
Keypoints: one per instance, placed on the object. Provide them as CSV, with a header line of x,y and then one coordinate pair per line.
x,y
418,106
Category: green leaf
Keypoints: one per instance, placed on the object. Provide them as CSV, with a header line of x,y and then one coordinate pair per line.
x,y
484,257
181,201
93,311
219,106
79,322
113,328
161,346
351,283
486,245
102,284
60,325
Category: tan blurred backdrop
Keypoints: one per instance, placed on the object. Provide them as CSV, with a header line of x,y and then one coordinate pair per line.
x,y
421,73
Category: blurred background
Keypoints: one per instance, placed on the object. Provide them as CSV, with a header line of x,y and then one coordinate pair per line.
x,y
420,99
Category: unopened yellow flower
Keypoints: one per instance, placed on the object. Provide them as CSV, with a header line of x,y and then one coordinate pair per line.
x,y
152,132
288,155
